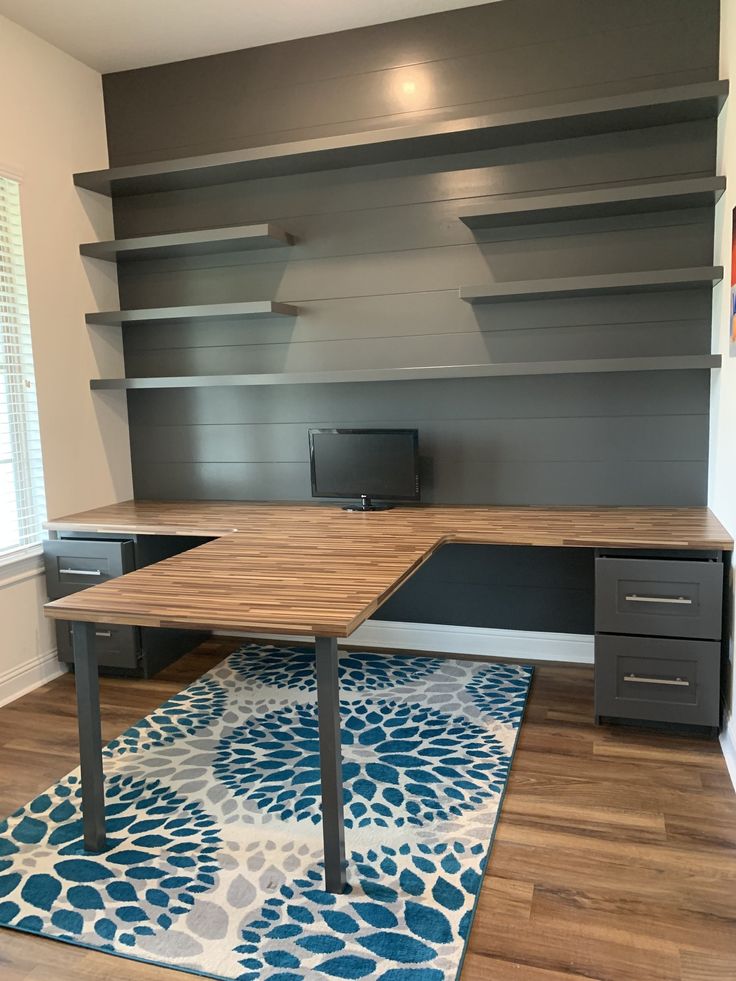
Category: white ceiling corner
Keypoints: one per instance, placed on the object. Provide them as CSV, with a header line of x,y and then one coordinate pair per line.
x,y
114,35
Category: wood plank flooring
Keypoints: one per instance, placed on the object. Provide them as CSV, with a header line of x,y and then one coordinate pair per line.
x,y
614,859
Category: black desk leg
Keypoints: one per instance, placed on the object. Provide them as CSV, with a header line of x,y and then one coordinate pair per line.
x,y
90,736
330,755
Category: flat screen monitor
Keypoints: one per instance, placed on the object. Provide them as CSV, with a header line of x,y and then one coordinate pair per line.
x,y
366,464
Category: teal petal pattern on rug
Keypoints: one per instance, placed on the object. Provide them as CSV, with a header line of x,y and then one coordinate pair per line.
x,y
213,860
293,667
413,764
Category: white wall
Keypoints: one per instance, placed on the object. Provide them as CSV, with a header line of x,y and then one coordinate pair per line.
x,y
52,124
722,489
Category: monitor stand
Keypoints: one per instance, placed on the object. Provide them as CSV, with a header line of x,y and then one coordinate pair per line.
x,y
366,505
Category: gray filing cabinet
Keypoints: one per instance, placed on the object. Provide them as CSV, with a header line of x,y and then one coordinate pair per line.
x,y
658,629
77,560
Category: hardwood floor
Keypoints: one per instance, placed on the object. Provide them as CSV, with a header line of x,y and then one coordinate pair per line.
x,y
614,858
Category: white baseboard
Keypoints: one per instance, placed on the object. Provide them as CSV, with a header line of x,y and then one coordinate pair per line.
x,y
520,645
728,745
31,674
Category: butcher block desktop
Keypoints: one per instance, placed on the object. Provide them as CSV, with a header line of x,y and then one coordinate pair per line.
x,y
321,571
661,527
317,569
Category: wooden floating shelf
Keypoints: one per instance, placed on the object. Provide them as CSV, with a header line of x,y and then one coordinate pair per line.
x,y
208,241
610,202
260,309
636,110
590,366
640,282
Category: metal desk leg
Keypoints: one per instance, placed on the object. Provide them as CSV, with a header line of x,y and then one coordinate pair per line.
x,y
90,737
330,755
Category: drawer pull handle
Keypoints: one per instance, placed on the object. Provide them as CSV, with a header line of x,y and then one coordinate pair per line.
x,y
103,633
676,600
643,680
80,572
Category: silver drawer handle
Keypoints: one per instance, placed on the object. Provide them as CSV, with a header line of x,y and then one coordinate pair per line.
x,y
80,572
103,633
678,600
643,680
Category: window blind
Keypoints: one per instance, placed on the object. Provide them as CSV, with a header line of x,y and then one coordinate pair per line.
x,y
22,499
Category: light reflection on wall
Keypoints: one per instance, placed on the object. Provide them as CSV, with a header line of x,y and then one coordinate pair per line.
x,y
413,88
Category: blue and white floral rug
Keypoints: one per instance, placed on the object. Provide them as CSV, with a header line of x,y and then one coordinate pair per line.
x,y
214,850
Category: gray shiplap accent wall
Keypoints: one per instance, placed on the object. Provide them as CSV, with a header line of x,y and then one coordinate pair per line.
x,y
506,55
493,440
380,254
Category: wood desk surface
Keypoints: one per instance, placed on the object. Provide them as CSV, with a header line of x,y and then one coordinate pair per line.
x,y
316,569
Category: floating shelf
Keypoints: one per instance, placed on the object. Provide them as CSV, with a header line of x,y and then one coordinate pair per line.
x,y
609,202
640,282
260,309
656,107
209,241
590,366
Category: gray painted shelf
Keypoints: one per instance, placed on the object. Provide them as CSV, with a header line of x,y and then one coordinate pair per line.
x,y
259,309
607,202
208,241
656,107
655,281
590,366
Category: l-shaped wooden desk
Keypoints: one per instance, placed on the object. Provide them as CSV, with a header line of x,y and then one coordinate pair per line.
x,y
316,570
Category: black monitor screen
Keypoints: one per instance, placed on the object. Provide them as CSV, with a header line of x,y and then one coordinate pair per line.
x,y
380,463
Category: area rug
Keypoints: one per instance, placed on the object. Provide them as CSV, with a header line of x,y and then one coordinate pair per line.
x,y
213,864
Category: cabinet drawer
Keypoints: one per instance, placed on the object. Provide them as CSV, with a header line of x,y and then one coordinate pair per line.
x,y
74,564
658,597
657,679
115,646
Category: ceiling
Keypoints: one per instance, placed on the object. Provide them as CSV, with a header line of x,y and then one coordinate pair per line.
x,y
112,35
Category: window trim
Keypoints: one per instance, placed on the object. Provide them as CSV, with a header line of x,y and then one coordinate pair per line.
x,y
23,553
18,556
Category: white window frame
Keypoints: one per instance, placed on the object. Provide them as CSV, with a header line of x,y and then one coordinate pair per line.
x,y
24,438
